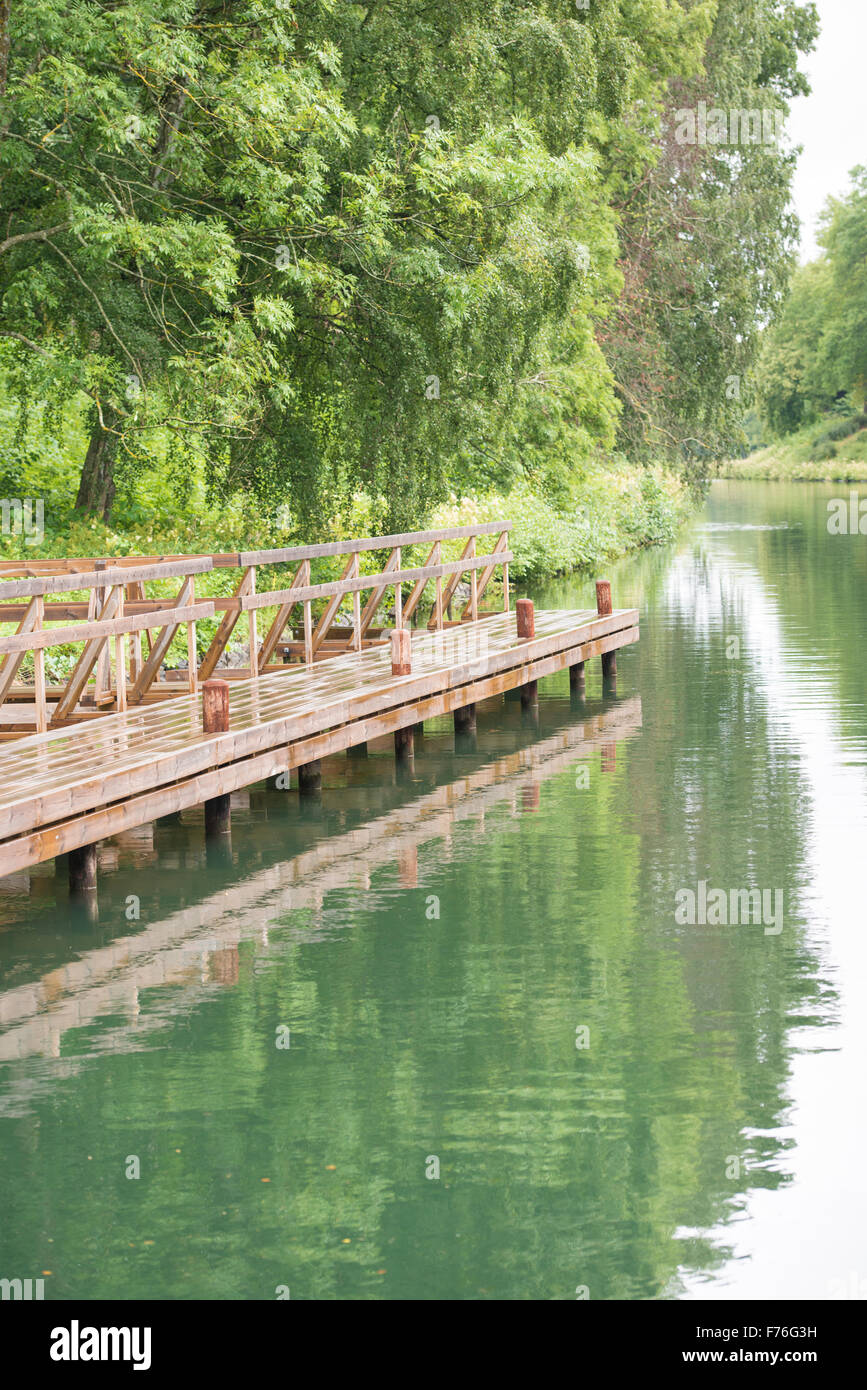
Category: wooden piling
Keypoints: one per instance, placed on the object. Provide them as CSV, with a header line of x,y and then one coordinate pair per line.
x,y
604,609
310,778
465,719
404,744
215,720
82,871
576,680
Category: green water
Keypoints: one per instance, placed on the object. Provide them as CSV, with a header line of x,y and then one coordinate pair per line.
x,y
437,946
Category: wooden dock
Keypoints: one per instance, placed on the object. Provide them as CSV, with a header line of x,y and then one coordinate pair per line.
x,y
105,759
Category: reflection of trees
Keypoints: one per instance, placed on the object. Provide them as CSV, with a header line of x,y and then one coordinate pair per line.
x,y
453,1036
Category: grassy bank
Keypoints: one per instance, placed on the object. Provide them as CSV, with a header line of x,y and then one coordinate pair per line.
x,y
832,449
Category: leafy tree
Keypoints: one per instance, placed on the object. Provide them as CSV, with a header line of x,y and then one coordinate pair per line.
x,y
708,241
842,358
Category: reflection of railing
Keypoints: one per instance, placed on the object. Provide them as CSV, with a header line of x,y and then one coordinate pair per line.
x,y
118,609
180,948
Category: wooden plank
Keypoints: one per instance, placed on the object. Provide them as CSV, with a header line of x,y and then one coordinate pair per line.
x,y
456,571
277,627
55,636
369,611
39,675
420,584
406,538
101,579
487,574
332,606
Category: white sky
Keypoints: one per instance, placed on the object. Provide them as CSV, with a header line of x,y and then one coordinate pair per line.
x,y
831,123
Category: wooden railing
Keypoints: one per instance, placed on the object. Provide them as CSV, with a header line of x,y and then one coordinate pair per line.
x,y
109,618
117,611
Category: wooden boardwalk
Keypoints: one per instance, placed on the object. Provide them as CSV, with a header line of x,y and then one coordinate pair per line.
x,y
70,787
120,743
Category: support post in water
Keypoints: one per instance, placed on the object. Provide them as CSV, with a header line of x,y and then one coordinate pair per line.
x,y
404,744
465,719
215,720
82,871
310,778
604,609
526,617
401,652
576,680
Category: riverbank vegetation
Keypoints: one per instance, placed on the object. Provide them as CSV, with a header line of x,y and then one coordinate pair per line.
x,y
811,376
279,270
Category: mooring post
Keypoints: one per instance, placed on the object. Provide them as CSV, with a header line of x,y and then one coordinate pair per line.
x,y
604,608
526,617
401,652
215,720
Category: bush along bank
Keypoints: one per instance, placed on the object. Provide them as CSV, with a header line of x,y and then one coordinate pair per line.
x,y
607,515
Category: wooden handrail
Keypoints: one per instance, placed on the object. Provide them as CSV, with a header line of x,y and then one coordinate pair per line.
x,y
339,587
118,610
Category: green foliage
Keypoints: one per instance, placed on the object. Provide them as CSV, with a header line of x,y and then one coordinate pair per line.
x,y
294,252
814,358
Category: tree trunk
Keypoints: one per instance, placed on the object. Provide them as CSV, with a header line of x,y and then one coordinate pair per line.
x,y
96,489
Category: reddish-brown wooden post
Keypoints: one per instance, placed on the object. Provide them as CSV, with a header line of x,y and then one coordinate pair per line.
x,y
215,720
526,616
604,608
401,665
401,652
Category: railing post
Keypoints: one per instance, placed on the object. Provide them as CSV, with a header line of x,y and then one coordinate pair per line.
x,y
398,593
120,657
192,653
39,671
253,628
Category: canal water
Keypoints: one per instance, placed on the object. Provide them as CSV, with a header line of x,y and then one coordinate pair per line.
x,y
454,1034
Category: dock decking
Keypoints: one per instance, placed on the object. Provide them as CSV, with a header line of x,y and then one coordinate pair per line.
x,y
70,787
120,743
